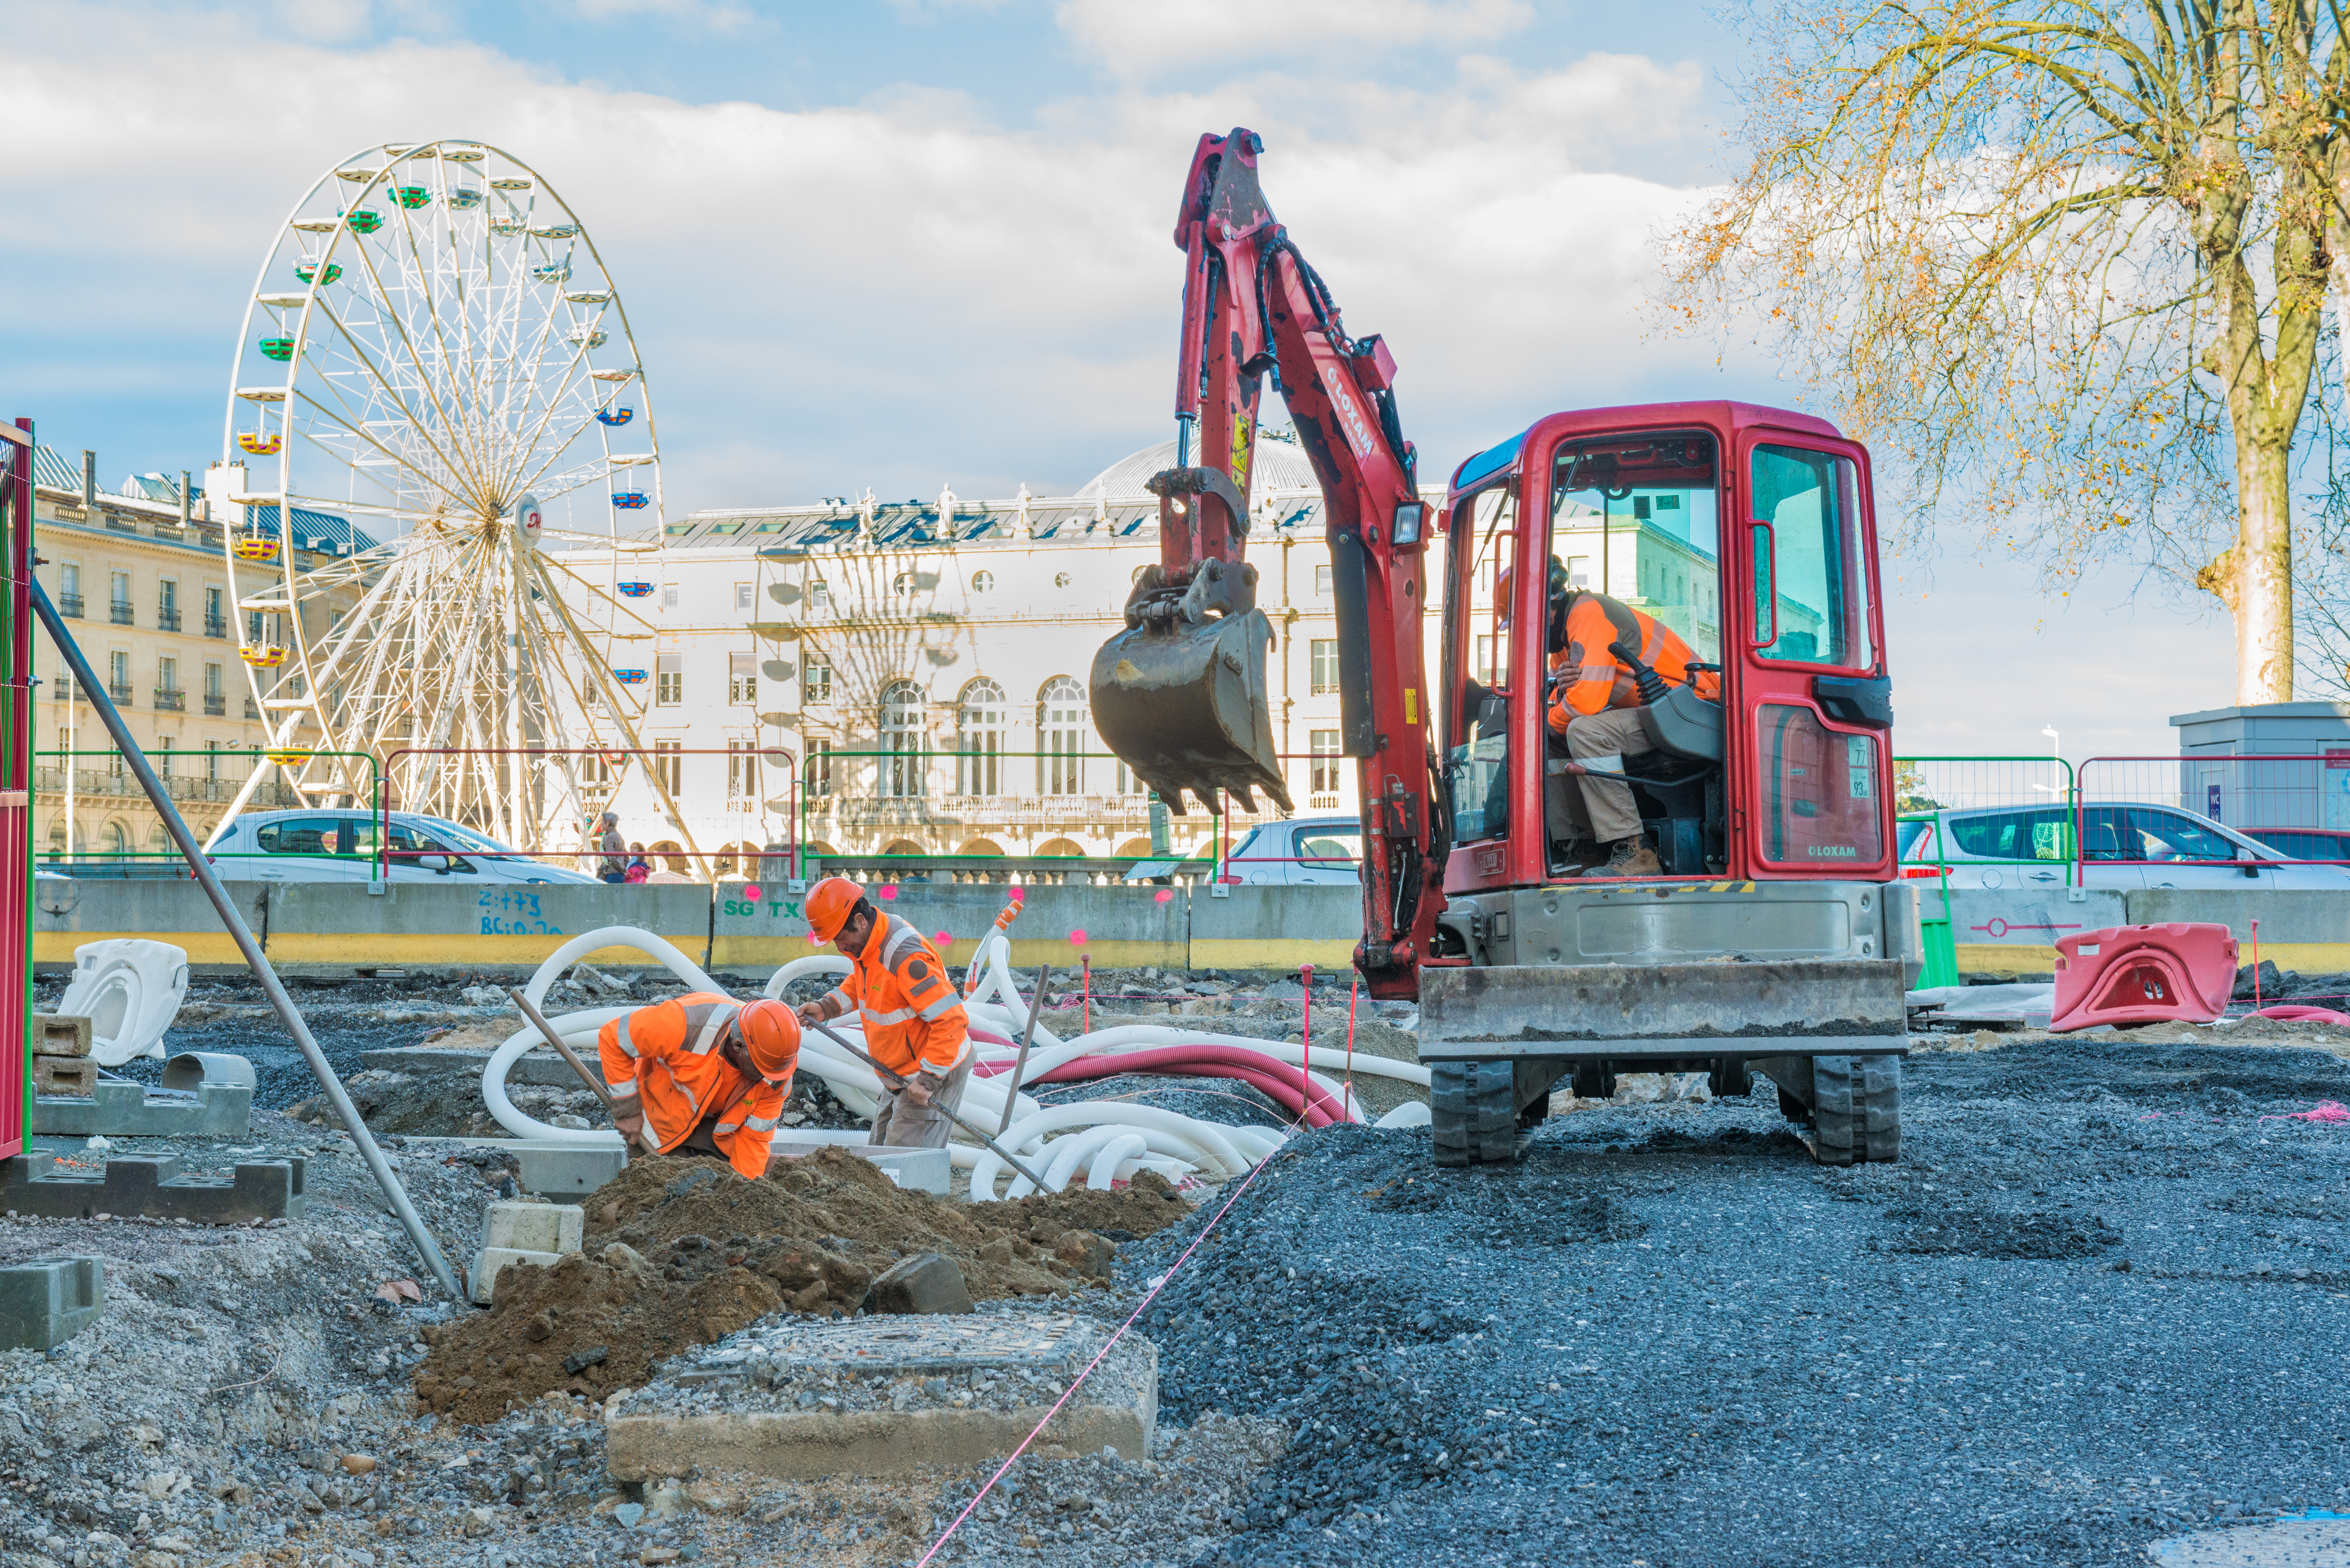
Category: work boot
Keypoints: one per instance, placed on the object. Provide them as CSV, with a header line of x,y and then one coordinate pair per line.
x,y
1629,858
1585,856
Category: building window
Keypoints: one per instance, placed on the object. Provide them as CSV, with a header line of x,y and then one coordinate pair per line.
x,y
1060,579
1322,581
1485,672
815,678
253,628
118,599
118,676
982,582
901,739
903,584
669,596
1578,571
167,605
1061,737
742,599
69,589
1323,657
742,770
168,695
165,747
1324,745
669,679
819,593
215,699
216,614
816,771
212,758
669,766
743,679
979,738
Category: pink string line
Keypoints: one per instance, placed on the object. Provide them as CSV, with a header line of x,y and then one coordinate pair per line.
x,y
1139,1308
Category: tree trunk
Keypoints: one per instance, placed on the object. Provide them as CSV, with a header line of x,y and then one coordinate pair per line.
x,y
2262,568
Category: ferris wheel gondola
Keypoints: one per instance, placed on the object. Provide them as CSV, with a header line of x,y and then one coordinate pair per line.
x,y
434,423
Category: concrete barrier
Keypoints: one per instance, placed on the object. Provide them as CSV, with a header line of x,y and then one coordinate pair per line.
x,y
74,910
1276,928
2299,930
1119,927
502,923
1999,929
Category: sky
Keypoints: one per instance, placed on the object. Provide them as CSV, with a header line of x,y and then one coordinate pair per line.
x,y
913,244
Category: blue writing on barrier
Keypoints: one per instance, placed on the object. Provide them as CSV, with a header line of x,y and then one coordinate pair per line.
x,y
513,901
494,926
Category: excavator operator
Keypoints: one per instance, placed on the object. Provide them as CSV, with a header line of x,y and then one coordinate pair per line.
x,y
1594,643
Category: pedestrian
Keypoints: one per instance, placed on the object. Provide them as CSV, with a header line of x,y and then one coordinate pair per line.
x,y
638,867
912,1016
614,866
701,1074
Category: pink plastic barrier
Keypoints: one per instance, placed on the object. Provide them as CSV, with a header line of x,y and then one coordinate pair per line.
x,y
2144,974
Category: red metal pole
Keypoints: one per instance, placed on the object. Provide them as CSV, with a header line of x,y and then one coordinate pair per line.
x,y
1305,1041
2256,966
1353,990
1086,1025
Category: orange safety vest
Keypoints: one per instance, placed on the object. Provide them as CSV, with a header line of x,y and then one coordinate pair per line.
x,y
914,1018
1596,680
668,1055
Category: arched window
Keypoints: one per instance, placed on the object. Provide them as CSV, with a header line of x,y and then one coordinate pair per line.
x,y
902,585
117,841
982,582
1061,737
979,738
901,739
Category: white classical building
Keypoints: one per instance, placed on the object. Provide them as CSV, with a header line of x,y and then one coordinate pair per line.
x,y
917,668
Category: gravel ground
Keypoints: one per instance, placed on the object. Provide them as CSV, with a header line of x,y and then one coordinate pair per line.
x,y
2090,1306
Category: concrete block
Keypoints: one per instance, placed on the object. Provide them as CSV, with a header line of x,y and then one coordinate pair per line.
x,y
558,1168
65,1076
481,1280
47,1301
917,1169
511,1226
119,1107
925,1283
541,1067
154,1188
61,1034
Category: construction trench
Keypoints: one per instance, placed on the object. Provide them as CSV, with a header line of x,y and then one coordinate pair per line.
x,y
2092,1308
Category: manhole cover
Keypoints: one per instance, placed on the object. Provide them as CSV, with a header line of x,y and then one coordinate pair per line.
x,y
884,1344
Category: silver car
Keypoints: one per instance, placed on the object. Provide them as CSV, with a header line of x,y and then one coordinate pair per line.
x,y
1303,851
330,845
2123,845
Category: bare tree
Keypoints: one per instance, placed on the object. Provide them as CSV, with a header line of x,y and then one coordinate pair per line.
x,y
2066,257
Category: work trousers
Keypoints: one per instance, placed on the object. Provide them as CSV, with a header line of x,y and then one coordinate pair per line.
x,y
901,1124
1595,807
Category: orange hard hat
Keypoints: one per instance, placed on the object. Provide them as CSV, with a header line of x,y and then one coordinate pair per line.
x,y
772,1031
828,904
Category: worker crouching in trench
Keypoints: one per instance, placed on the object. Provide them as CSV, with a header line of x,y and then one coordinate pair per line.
x,y
911,1014
701,1073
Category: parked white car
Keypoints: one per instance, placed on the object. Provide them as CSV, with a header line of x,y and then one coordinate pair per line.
x,y
2124,844
1303,851
331,846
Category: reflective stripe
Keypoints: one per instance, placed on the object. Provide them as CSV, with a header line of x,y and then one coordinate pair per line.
x,y
1613,763
842,997
623,1040
1599,672
1654,644
895,1015
625,1089
760,1124
903,939
946,1003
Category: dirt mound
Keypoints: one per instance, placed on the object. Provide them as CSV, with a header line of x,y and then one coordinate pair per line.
x,y
681,1252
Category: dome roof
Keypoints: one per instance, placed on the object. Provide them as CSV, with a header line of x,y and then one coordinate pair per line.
x,y
1280,464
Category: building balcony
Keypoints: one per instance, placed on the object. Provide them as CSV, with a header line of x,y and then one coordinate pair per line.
x,y
121,691
171,700
252,709
69,605
167,619
216,704
122,614
216,625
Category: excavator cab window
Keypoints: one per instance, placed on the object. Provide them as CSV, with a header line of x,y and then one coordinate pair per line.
x,y
1484,545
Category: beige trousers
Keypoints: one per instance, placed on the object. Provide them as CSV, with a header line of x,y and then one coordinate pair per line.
x,y
901,1124
1599,808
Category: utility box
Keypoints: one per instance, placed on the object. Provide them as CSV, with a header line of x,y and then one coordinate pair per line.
x,y
2248,795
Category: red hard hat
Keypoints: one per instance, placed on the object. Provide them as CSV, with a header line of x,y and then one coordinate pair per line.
x,y
828,904
772,1031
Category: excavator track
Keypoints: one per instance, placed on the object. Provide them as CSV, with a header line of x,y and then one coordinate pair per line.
x,y
1472,1113
1856,1109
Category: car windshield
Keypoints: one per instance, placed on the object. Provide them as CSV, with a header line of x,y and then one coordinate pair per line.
x,y
2150,834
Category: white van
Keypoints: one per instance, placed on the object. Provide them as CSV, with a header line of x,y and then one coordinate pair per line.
x,y
330,845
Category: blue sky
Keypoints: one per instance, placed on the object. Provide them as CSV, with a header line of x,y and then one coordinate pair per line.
x,y
919,243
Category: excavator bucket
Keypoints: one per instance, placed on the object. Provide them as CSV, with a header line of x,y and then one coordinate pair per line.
x,y
1183,704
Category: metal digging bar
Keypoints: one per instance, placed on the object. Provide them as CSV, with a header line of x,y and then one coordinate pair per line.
x,y
393,1192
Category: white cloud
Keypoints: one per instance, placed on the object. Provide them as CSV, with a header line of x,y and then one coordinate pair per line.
x,y
1140,39
704,15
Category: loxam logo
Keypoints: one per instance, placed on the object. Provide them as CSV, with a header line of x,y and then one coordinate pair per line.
x,y
1833,852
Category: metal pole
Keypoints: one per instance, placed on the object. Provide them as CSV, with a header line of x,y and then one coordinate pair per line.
x,y
1020,1068
393,1192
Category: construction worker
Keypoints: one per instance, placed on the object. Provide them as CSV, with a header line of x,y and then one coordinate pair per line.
x,y
701,1073
1594,717
912,1014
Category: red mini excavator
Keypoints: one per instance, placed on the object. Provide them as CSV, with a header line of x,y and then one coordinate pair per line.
x,y
1777,941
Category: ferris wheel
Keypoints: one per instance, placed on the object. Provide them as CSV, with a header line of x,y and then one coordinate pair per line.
x,y
437,418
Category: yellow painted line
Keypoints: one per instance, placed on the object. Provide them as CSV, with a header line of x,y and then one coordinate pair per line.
x,y
2315,956
1981,958
1228,952
203,947
371,949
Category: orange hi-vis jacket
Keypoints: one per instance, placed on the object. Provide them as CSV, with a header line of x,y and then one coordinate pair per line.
x,y
1594,681
912,1015
668,1055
